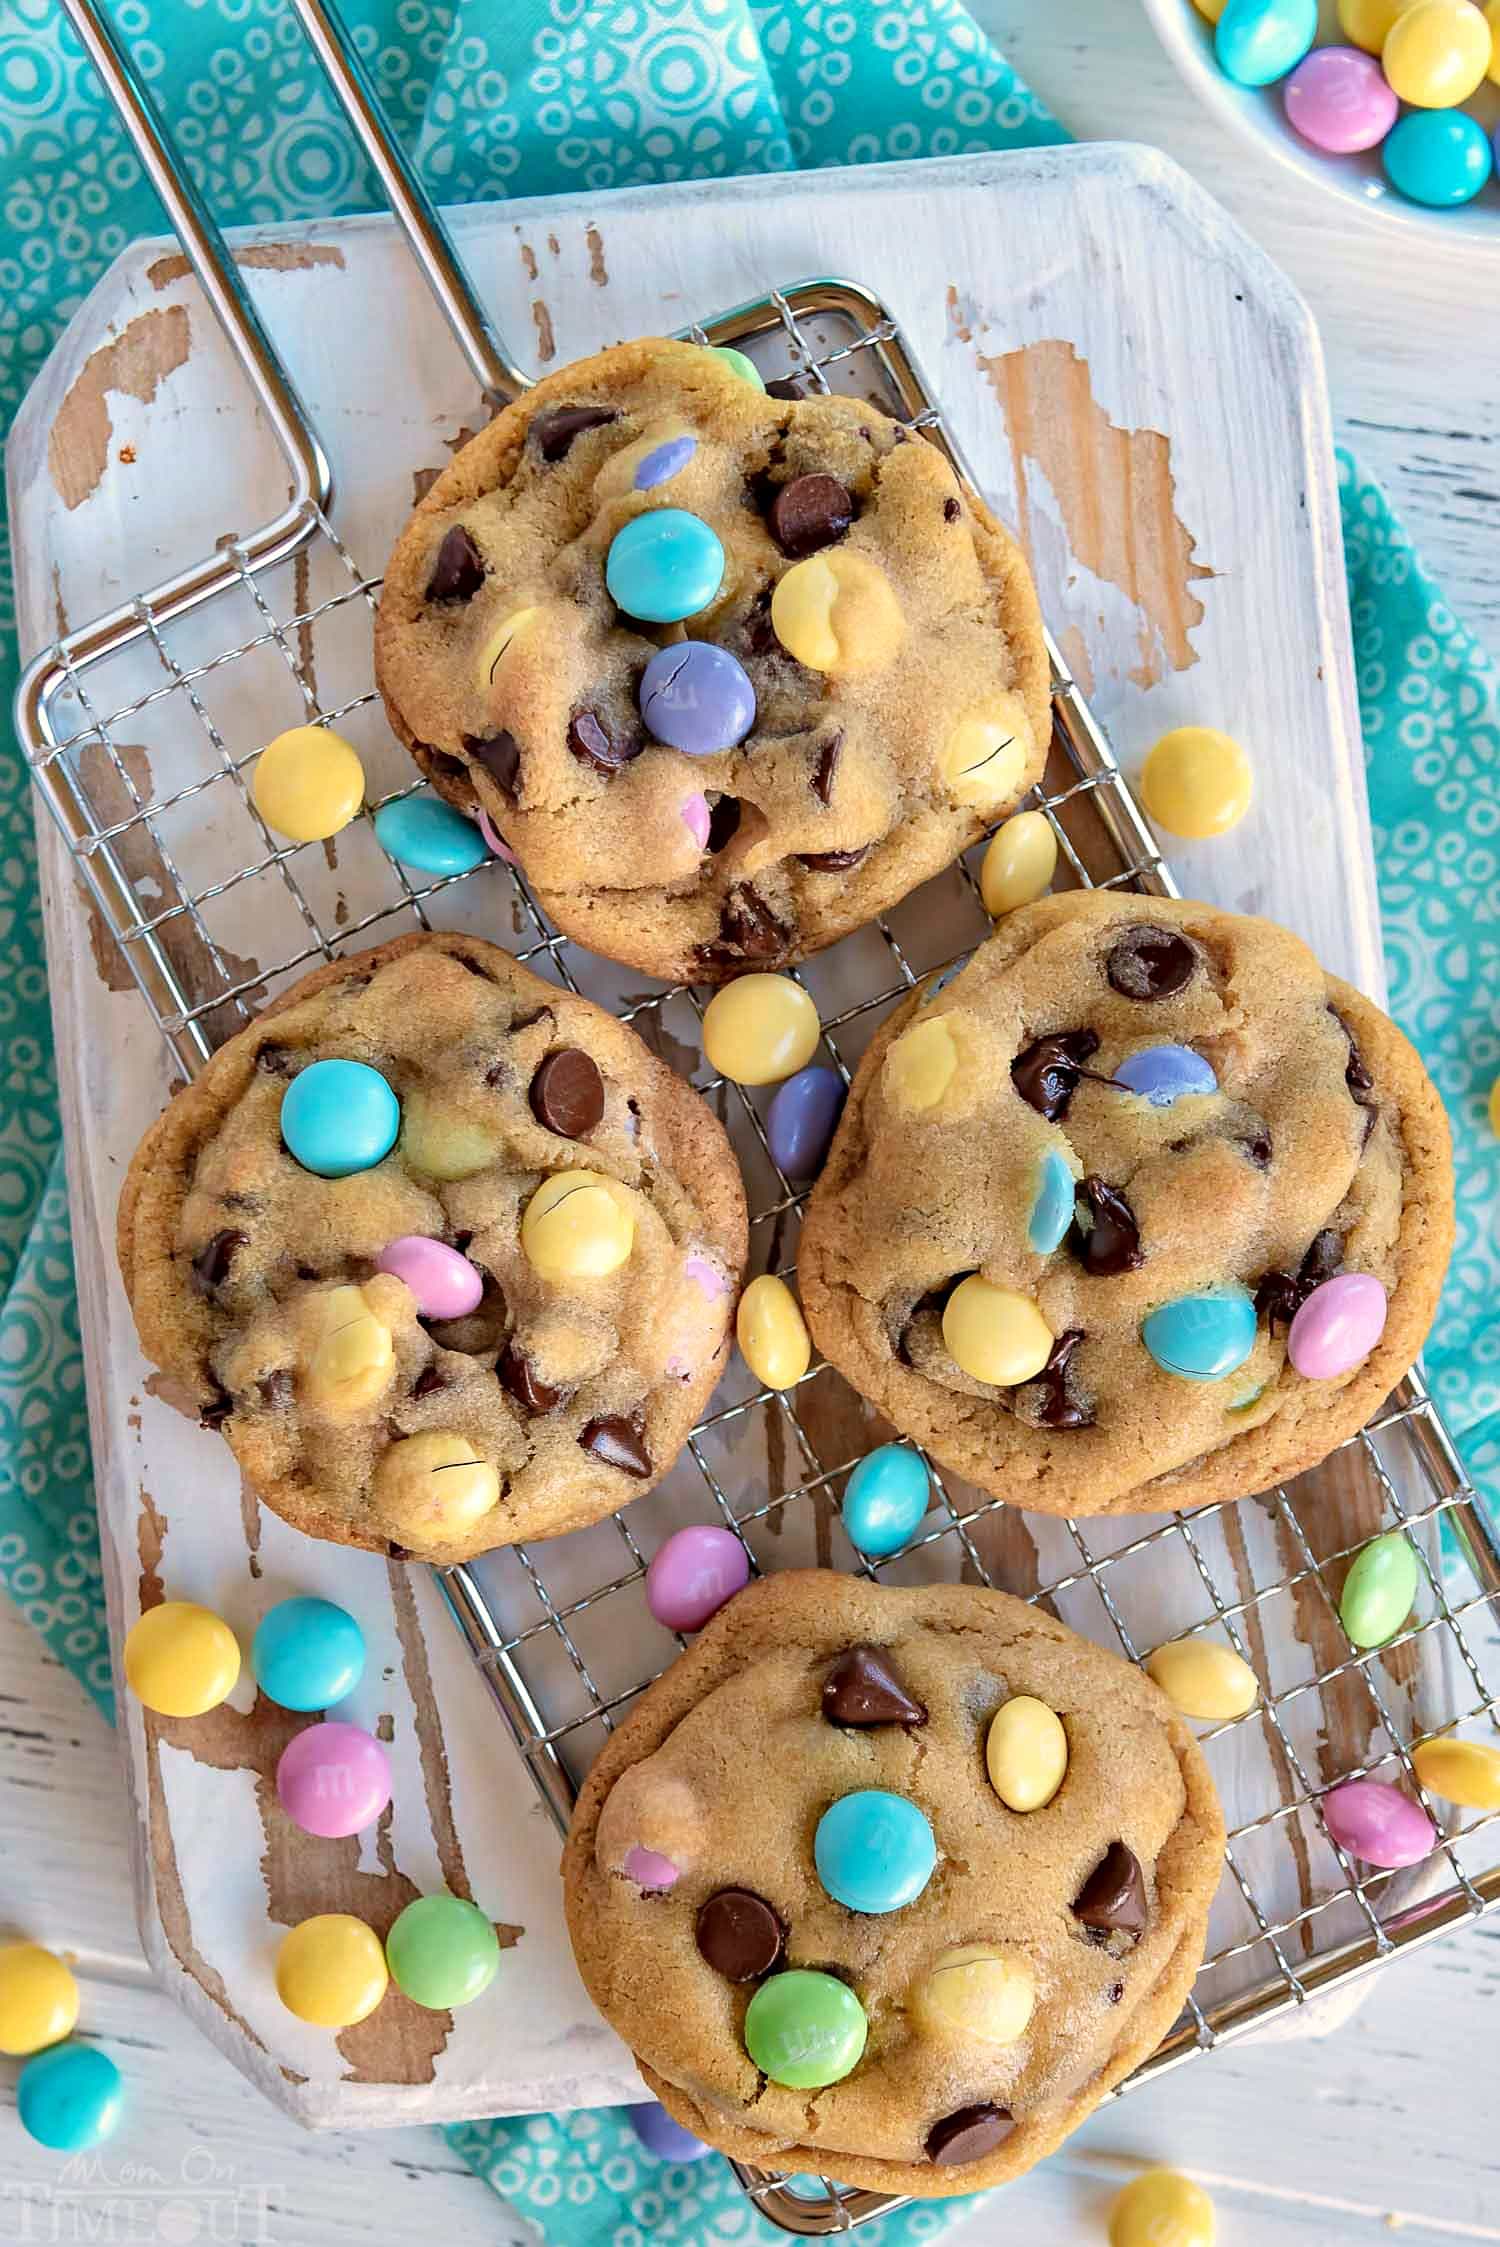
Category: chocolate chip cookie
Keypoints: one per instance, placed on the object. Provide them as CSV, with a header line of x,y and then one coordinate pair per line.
x,y
1138,1210
796,1888
730,673
446,1255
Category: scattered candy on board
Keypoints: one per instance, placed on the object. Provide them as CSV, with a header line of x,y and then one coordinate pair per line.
x,y
805,2030
333,1779
1378,1824
442,1952
68,2097
339,1117
331,1970
759,1029
1196,782
664,566
1202,1337
693,1574
38,1999
885,1499
1162,2209
307,1653
1026,1753
660,2135
307,784
424,832
801,1120
181,1659
1379,1589
772,1333
1019,864
1463,1771
1205,1680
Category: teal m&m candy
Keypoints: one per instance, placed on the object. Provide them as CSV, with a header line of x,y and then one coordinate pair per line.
x,y
1260,40
338,1117
1379,1589
1439,157
1052,1205
805,2030
442,1952
884,1499
874,1851
1202,1337
307,1653
424,832
69,2097
664,566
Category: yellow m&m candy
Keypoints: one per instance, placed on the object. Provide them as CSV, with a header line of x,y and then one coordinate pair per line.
x,y
772,1333
1026,1753
1365,23
836,613
181,1659
1019,864
1492,18
498,644
1204,1680
977,1995
760,1028
432,1488
1212,9
308,783
442,1144
1196,782
352,1355
985,755
1463,1771
1437,53
1162,2209
38,1999
578,1226
920,1065
331,1970
995,1335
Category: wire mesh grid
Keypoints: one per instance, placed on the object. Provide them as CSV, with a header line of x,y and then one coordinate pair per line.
x,y
185,873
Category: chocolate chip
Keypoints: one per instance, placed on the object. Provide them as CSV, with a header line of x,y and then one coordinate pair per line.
x,y
1051,1400
1279,1296
1276,1299
1047,1074
500,755
217,1410
554,431
723,821
276,1389
1148,962
428,1380
1108,1241
594,741
567,1093
276,1060
739,1935
1325,1257
968,2134
518,1377
451,768
618,1442
211,1264
862,1689
785,387
458,572
808,513
759,631
1258,1149
1115,1992
832,861
1356,1076
748,930
951,510
1113,1899
827,765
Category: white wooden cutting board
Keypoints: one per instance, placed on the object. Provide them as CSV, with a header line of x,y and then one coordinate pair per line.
x,y
1141,394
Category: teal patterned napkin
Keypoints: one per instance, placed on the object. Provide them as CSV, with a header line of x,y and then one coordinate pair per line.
x,y
499,97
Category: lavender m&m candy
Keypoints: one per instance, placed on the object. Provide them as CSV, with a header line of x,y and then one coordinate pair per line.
x,y
801,1120
663,462
445,1284
660,2135
1338,1326
1378,1824
1164,1073
692,1576
333,1779
697,697
1339,99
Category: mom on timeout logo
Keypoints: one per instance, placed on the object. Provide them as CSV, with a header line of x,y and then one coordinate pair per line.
x,y
207,2203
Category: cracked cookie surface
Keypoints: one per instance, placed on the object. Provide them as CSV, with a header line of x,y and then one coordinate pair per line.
x,y
1160,1132
563,1376
814,789
1089,1913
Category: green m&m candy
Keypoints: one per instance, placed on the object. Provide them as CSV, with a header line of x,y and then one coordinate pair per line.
x,y
1379,1589
805,2030
744,367
442,1952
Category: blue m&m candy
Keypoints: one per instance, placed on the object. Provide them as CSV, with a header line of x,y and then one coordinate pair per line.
x,y
885,1498
663,462
338,1117
1260,40
660,2135
69,2097
664,566
1204,1336
697,697
1164,1073
424,832
1439,157
874,1851
1052,1208
801,1120
307,1653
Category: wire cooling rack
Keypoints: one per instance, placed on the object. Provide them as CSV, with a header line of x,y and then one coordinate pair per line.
x,y
184,872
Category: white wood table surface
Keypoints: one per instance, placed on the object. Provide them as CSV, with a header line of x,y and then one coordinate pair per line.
x,y
1389,2126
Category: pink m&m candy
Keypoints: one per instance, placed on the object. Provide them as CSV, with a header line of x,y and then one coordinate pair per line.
x,y
1338,1326
445,1284
333,1779
692,1576
696,817
1339,99
1378,1824
497,843
648,1868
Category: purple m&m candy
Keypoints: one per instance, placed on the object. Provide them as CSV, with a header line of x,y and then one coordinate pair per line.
x,y
445,1284
1164,1073
801,1120
1339,99
697,697
1338,1326
692,1576
663,462
333,1779
660,2135
1378,1824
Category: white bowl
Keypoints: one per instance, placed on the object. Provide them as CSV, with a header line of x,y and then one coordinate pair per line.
x,y
1257,112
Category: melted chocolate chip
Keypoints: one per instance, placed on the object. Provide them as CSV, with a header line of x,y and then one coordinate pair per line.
x,y
595,742
519,1379
808,513
618,1442
951,510
1113,1898
1279,1296
1047,1074
276,1060
1050,1399
458,572
450,768
1258,1149
827,765
1110,1242
1276,1299
739,1935
832,861
211,1264
862,1689
567,1093
500,755
723,821
428,1380
1148,962
1115,1992
554,432
748,930
217,1410
276,1389
759,631
785,387
968,2134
